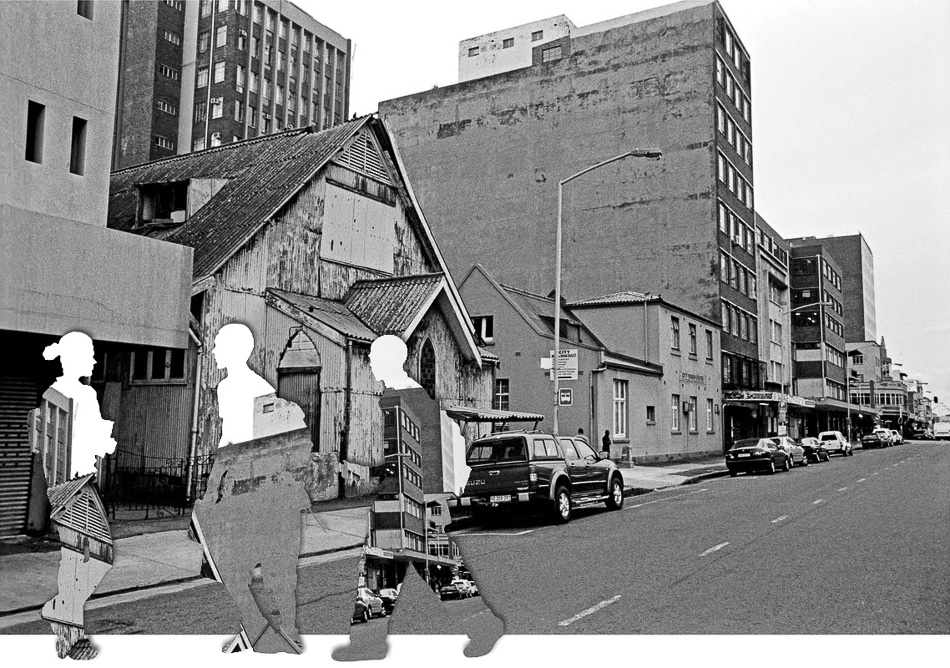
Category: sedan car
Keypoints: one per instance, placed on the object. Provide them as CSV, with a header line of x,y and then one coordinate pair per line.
x,y
836,443
368,605
814,449
388,597
793,448
454,589
876,439
757,454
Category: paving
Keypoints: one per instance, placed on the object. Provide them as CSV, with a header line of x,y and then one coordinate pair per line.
x,y
159,552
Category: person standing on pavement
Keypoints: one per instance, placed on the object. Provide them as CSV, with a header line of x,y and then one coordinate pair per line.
x,y
606,443
582,436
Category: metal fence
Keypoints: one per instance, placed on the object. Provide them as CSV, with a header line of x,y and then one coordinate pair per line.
x,y
152,486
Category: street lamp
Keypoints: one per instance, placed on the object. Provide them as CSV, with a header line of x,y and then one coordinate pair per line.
x,y
650,154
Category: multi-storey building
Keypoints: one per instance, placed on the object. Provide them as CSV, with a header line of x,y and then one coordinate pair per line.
x,y
854,257
487,154
60,268
199,74
820,355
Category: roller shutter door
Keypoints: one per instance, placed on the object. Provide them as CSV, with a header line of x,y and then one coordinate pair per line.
x,y
17,399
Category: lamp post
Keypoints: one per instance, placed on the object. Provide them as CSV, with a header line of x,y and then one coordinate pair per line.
x,y
650,154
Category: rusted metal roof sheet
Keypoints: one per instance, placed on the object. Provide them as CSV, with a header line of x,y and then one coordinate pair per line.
x,y
332,314
61,495
391,305
262,175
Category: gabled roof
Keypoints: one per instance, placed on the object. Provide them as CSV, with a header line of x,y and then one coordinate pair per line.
x,y
625,297
332,314
262,175
61,495
392,305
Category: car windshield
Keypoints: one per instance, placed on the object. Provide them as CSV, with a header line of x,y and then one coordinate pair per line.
x,y
498,450
752,443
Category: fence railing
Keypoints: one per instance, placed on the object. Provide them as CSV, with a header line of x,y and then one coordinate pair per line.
x,y
154,486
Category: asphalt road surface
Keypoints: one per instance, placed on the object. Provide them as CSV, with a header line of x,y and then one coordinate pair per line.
x,y
857,545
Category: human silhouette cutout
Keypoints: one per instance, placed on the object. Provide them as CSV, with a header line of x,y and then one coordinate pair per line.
x,y
84,560
249,519
388,356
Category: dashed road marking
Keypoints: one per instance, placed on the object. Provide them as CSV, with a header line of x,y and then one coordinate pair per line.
x,y
815,503
496,533
875,473
841,489
779,519
668,498
589,611
713,549
861,479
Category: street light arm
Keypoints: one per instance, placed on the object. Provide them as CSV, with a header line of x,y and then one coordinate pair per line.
x,y
804,306
649,153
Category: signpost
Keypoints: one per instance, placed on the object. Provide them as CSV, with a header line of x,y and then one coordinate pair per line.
x,y
565,396
567,368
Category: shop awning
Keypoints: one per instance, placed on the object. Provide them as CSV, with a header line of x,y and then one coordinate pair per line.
x,y
467,414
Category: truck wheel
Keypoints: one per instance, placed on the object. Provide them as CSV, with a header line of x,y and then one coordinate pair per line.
x,y
615,498
562,505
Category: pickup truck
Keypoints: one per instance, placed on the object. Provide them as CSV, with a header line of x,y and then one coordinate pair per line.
x,y
533,469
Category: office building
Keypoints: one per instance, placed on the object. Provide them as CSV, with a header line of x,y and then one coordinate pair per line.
x,y
486,156
198,74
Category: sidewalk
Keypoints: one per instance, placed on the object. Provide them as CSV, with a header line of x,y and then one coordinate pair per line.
x,y
165,555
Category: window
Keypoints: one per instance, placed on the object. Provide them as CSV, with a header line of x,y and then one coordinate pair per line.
x,y
651,414
693,415
175,4
242,41
727,368
35,120
172,37
620,408
257,13
283,30
266,94
202,77
427,368
508,42
221,36
239,78
730,86
167,71
217,108
255,78
692,340
164,142
201,110
675,413
215,139
252,117
720,72
536,35
280,60
857,358
219,71
709,344
485,327
205,8
502,394
84,9
551,54
473,51
198,144
77,152
170,109
674,333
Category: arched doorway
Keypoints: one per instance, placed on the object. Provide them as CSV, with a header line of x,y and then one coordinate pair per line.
x,y
298,380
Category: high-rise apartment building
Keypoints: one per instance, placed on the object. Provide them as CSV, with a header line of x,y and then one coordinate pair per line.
x,y
486,155
61,269
856,260
202,73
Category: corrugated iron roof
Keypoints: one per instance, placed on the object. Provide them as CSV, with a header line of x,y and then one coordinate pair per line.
x,y
390,305
625,297
470,414
61,495
262,174
333,314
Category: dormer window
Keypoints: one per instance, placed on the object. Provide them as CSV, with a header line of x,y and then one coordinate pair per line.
x,y
484,328
163,203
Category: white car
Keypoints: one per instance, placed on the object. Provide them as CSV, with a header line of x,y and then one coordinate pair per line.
x,y
898,437
887,434
465,586
835,443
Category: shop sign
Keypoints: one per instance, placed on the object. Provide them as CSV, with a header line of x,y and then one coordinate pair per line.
x,y
692,378
751,396
376,552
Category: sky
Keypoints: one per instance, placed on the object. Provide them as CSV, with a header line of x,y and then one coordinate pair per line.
x,y
851,125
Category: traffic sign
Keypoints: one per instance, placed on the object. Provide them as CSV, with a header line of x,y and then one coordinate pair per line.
x,y
565,396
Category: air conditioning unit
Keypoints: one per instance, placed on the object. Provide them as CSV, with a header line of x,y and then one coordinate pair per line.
x,y
266,115
686,407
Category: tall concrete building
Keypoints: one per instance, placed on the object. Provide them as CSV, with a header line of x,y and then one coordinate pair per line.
x,y
198,74
856,260
486,155
61,270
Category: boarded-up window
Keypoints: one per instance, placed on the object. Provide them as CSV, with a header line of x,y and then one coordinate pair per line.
x,y
427,368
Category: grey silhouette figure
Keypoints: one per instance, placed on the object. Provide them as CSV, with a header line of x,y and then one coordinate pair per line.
x,y
387,359
249,520
87,547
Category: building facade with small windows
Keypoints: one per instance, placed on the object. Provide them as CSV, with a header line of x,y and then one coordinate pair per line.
x,y
62,270
486,156
636,355
222,70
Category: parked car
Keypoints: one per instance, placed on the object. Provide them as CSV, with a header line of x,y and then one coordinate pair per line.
x,y
792,447
453,590
814,450
836,443
922,434
368,605
886,434
757,454
467,587
534,469
876,439
388,597
898,437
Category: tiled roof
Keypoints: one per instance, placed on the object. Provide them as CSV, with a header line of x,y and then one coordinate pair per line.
x,y
626,297
62,494
390,305
540,310
333,314
262,174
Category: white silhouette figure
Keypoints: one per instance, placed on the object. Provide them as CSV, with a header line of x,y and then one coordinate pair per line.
x,y
92,436
236,393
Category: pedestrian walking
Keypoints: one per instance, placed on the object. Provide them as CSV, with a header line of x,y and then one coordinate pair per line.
x,y
606,443
582,436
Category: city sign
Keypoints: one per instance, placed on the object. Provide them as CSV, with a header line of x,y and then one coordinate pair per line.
x,y
567,367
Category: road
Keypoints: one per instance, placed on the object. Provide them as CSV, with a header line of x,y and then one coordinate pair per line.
x,y
856,545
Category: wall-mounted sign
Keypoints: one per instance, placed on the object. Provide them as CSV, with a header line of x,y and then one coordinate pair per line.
x,y
565,396
567,368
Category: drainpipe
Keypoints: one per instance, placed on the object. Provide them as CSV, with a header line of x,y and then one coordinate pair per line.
x,y
594,426
347,408
646,340
193,445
